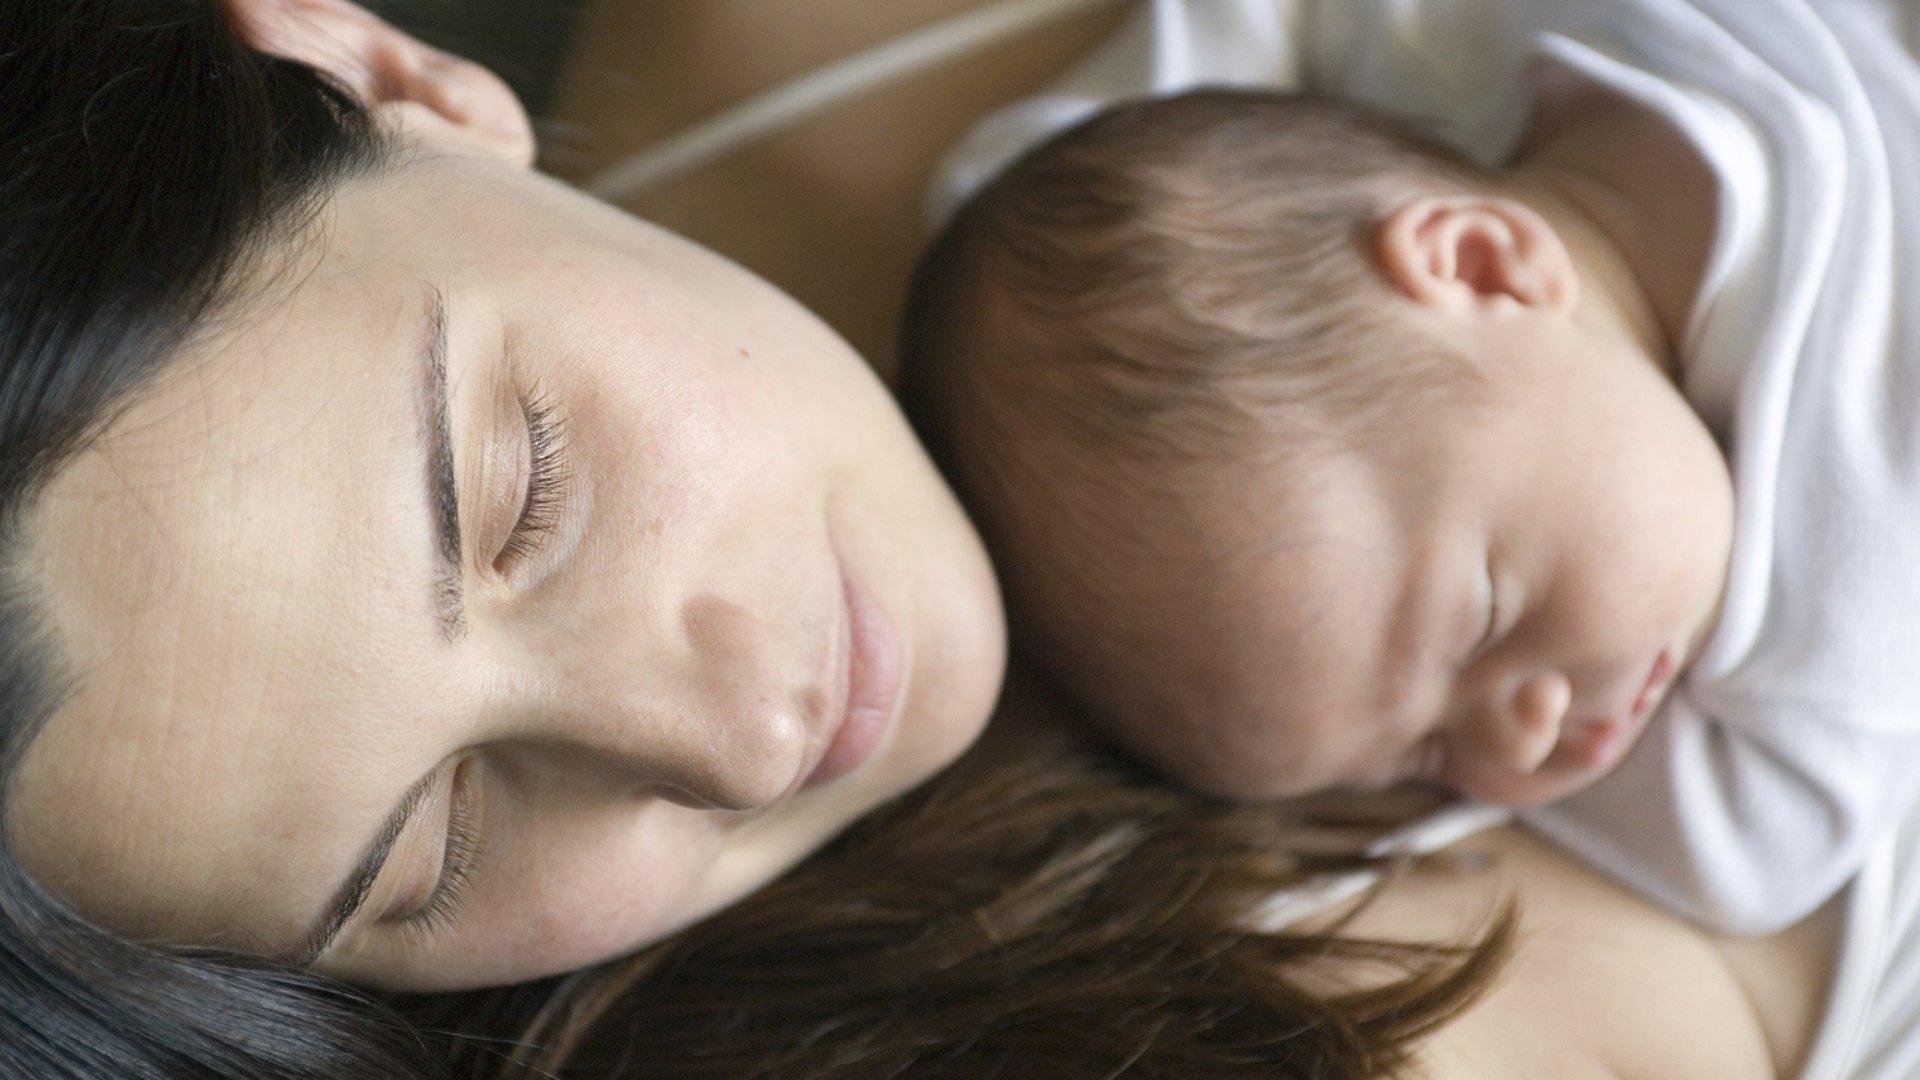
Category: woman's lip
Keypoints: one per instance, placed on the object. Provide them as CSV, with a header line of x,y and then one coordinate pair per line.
x,y
872,682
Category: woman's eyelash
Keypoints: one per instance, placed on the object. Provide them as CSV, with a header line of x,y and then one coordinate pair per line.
x,y
456,872
546,482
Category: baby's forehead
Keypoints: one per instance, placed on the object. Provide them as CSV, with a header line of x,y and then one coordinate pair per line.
x,y
1171,544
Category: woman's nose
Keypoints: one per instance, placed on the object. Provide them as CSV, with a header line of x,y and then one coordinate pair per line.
x,y
1519,733
720,724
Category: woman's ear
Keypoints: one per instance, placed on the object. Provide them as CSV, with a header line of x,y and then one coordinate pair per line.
x,y
1477,254
426,91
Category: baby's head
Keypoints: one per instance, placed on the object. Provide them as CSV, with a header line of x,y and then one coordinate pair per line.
x,y
1305,459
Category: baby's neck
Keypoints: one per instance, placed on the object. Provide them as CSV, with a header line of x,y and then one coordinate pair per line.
x,y
1632,199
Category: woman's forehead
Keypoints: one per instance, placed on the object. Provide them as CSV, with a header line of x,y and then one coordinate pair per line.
x,y
226,573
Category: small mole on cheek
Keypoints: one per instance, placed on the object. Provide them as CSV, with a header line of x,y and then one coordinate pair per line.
x,y
744,354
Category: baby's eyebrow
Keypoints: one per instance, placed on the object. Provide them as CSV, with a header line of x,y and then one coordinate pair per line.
x,y
1415,627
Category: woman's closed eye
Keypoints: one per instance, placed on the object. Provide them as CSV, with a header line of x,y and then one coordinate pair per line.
x,y
546,478
457,862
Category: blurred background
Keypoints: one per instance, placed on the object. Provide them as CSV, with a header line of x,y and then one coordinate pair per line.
x,y
523,40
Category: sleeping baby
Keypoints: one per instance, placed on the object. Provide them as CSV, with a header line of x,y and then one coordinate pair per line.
x,y
1535,425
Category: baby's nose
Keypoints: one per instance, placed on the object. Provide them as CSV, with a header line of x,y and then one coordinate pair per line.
x,y
1520,734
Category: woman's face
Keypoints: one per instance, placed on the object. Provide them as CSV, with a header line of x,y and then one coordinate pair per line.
x,y
503,585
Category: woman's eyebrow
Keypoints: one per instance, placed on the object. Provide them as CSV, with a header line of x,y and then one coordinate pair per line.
x,y
348,900
443,490
443,500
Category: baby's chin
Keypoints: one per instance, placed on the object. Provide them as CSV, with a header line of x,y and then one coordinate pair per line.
x,y
1591,748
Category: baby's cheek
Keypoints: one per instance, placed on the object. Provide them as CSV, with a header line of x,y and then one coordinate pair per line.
x,y
1237,756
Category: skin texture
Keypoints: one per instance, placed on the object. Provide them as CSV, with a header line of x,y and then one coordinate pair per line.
x,y
1495,588
1601,983
633,713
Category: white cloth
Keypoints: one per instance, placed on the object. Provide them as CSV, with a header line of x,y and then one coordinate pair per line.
x,y
1793,743
1869,1029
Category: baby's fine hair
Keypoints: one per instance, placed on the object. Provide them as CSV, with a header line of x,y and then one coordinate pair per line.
x,y
1172,271
1171,285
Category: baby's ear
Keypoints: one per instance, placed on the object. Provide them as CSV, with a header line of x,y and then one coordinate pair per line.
x,y
423,90
1477,255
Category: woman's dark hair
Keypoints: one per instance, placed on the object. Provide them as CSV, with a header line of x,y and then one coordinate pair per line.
x,y
1042,910
146,154
1049,914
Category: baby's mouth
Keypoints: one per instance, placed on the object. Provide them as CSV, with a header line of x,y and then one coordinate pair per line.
x,y
1599,743
1657,680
